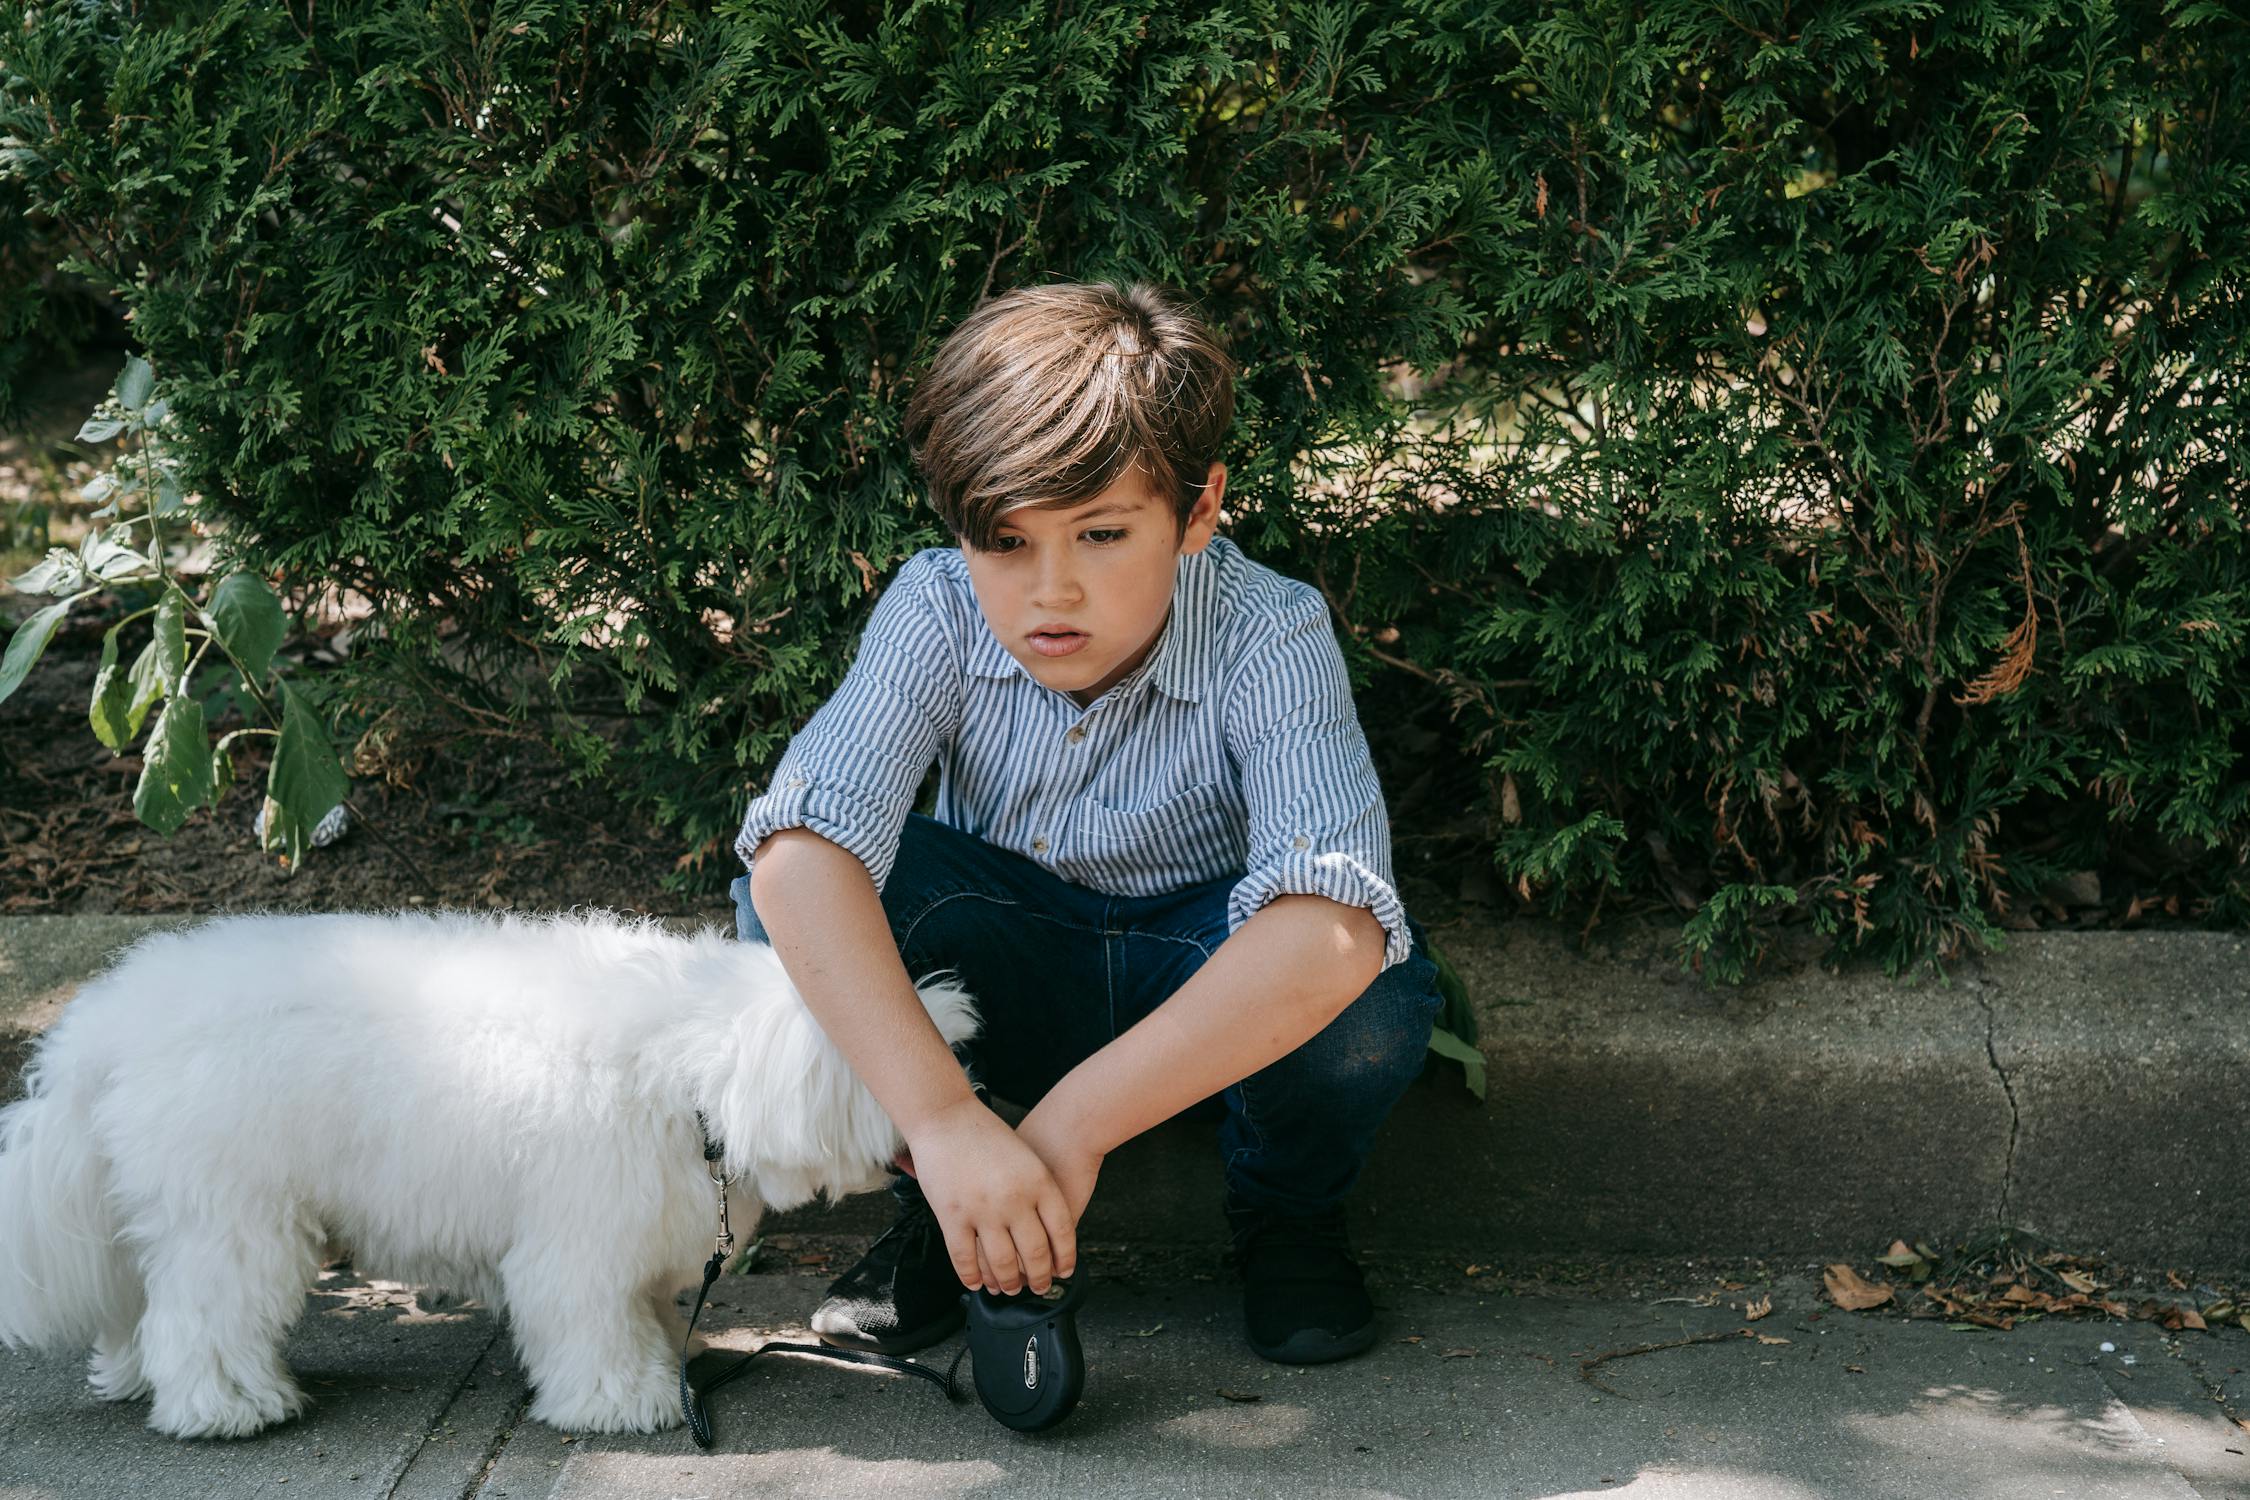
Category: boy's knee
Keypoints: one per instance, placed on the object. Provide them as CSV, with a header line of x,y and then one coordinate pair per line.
x,y
747,927
1380,1038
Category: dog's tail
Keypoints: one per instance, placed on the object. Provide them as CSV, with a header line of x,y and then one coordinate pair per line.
x,y
61,1265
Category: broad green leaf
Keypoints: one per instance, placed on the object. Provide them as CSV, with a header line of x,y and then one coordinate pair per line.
x,y
248,621
148,683
171,636
113,561
59,572
222,763
1455,1013
135,384
99,430
1445,1044
305,781
110,711
175,767
26,644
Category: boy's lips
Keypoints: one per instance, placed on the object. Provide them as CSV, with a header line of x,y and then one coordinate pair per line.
x,y
1056,643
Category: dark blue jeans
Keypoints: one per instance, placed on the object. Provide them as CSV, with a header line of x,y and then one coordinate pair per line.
x,y
1059,970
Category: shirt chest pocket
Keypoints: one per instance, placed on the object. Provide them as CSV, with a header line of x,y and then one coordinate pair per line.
x,y
1194,815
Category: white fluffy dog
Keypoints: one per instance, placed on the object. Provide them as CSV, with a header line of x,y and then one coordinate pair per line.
x,y
501,1107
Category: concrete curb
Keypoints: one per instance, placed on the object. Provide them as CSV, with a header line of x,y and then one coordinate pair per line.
x,y
2089,1087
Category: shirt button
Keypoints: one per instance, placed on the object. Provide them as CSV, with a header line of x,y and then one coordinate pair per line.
x,y
1077,733
1298,842
796,781
1039,846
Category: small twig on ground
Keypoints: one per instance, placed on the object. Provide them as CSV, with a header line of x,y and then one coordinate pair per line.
x,y
405,858
1586,1367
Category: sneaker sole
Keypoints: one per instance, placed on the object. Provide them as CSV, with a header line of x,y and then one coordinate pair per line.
x,y
901,1343
1316,1346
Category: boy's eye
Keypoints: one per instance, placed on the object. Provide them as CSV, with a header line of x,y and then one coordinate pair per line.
x,y
1114,533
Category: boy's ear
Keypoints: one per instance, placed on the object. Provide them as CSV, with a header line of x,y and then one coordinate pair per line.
x,y
1202,520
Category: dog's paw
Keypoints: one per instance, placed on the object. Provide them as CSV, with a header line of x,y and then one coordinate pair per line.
x,y
650,1404
116,1375
203,1411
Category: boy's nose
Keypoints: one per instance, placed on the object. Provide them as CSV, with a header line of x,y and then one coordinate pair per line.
x,y
1057,594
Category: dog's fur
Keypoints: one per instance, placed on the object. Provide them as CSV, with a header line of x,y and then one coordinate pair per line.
x,y
497,1106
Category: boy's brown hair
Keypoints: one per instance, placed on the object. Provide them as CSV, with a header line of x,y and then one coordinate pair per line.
x,y
1044,395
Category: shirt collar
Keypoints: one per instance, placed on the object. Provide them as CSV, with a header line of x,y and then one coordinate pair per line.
x,y
1181,663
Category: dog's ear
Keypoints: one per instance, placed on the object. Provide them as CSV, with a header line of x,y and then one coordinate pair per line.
x,y
951,1007
787,1106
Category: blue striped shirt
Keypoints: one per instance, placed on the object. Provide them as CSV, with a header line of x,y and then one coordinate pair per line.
x,y
1233,748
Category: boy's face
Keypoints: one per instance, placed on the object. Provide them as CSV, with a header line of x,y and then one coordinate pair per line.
x,y
1102,570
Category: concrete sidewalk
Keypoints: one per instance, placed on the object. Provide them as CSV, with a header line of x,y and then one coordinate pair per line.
x,y
1470,1393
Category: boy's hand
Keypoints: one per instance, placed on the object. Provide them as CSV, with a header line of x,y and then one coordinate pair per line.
x,y
1062,1146
1007,1224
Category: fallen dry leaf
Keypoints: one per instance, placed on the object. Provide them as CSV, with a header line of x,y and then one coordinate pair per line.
x,y
1857,1369
1851,1293
1767,1338
2177,1318
1412,1338
1900,1256
1758,1309
1240,1395
1458,1354
2077,1281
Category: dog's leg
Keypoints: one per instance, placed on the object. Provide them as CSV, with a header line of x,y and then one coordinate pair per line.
x,y
115,1370
664,1306
590,1341
221,1297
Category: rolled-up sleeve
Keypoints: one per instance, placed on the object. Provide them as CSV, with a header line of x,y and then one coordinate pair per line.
x,y
1318,825
851,772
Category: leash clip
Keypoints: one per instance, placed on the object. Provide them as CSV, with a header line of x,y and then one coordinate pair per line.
x,y
725,1238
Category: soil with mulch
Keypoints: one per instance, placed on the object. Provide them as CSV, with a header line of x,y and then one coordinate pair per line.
x,y
488,824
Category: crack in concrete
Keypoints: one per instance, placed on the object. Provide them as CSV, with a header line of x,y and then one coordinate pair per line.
x,y
452,1400
2015,1115
483,1475
2215,1389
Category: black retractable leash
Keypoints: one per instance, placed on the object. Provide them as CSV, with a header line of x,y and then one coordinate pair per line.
x,y
1029,1368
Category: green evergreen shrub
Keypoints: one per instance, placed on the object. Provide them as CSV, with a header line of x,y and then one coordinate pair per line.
x,y
1785,458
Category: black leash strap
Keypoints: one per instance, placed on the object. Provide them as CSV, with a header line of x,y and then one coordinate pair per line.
x,y
691,1395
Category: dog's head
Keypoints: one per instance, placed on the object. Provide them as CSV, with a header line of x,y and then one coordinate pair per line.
x,y
794,1119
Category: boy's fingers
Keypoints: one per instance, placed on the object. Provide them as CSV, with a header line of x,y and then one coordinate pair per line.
x,y
985,1278
1032,1252
960,1248
1000,1251
1062,1234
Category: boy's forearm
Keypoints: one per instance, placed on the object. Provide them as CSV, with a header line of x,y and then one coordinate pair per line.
x,y
825,920
1284,975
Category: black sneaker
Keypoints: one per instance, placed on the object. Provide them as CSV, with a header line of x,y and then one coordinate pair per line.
x,y
903,1294
1304,1300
